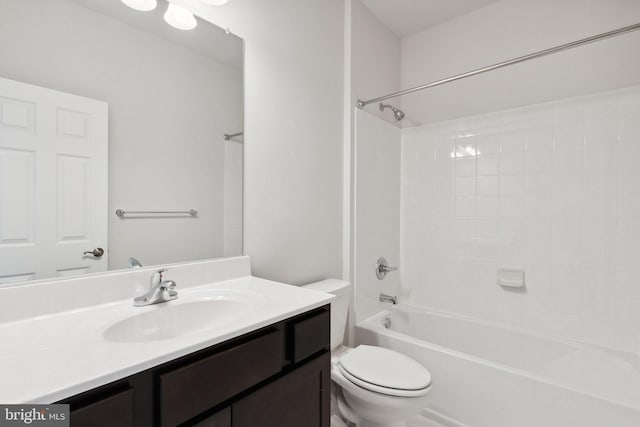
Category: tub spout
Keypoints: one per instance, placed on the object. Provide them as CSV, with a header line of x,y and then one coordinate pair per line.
x,y
388,298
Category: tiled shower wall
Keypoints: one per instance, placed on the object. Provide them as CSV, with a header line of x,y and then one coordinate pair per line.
x,y
553,189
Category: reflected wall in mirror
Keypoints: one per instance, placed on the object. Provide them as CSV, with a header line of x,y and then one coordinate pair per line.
x,y
104,108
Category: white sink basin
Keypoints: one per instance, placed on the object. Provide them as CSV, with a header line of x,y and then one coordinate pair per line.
x,y
195,312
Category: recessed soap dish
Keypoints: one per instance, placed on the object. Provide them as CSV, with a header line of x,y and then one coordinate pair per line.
x,y
508,278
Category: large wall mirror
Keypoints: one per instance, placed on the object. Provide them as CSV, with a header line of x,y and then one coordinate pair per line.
x,y
112,148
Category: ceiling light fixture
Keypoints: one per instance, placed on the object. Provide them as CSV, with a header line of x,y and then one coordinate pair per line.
x,y
141,5
179,17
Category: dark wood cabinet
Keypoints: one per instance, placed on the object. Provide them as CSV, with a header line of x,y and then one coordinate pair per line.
x,y
113,409
299,399
275,376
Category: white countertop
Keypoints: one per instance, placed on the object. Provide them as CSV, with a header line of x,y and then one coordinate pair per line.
x,y
48,358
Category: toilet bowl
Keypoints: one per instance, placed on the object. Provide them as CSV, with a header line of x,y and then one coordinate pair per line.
x,y
374,386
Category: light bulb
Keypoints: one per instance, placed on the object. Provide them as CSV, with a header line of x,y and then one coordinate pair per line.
x,y
180,18
142,5
214,2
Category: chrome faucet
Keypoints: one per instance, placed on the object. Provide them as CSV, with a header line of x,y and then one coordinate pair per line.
x,y
388,298
161,291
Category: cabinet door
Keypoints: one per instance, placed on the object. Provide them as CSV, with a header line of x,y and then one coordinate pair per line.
x,y
114,410
219,419
300,398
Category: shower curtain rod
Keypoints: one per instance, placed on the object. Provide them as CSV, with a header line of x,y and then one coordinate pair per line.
x,y
616,32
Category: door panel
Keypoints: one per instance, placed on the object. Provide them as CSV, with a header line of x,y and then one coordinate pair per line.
x,y
53,150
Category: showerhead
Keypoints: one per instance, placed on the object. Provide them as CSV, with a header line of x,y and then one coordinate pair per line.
x,y
397,113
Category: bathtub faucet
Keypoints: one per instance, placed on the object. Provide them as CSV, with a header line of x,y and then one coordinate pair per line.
x,y
388,298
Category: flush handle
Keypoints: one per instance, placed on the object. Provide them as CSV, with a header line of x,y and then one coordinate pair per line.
x,y
97,252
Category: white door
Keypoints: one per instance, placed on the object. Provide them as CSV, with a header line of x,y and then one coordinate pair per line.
x,y
53,183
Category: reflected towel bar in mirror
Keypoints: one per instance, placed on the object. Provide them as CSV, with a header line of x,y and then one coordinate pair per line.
x,y
227,136
121,213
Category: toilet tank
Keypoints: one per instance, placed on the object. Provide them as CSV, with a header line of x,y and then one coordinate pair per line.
x,y
339,306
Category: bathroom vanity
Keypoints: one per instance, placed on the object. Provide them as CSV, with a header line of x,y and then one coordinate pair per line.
x,y
231,350
276,376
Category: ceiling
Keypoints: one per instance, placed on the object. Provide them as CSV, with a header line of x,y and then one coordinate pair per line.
x,y
406,17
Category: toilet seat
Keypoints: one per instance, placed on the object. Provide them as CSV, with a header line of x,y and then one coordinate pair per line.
x,y
385,371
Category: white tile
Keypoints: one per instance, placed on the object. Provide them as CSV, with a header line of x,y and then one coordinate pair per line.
x,y
444,150
488,227
540,184
568,180
488,164
538,229
599,205
629,128
488,186
598,155
511,228
465,207
600,179
511,206
512,162
627,285
487,206
570,159
539,138
601,130
512,141
629,152
488,144
567,205
539,161
511,185
538,206
629,231
627,311
628,205
547,188
465,148
567,230
465,166
628,179
568,134
465,186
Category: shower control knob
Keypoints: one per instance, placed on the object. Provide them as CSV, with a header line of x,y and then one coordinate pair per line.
x,y
382,268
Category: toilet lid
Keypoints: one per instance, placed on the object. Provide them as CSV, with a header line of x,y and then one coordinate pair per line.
x,y
385,371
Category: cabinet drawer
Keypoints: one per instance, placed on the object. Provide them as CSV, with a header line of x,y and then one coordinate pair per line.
x,y
114,410
219,419
192,389
311,335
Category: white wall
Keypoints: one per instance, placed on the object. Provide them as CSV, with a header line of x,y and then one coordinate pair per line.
x,y
293,133
511,28
551,189
168,157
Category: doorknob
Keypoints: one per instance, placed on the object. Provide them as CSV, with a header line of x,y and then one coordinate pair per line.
x,y
97,252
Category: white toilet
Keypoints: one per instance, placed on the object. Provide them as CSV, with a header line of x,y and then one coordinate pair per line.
x,y
375,386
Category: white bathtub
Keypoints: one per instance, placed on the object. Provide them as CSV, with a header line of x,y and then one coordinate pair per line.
x,y
489,375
